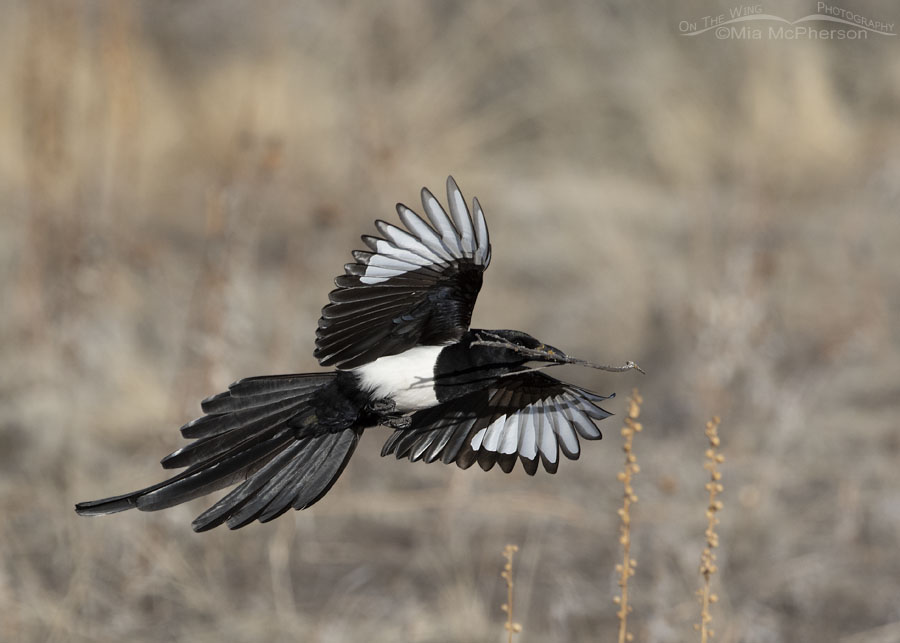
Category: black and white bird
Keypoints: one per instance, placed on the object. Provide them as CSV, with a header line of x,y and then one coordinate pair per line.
x,y
397,332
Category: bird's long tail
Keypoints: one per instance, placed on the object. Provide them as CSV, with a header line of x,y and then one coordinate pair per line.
x,y
263,433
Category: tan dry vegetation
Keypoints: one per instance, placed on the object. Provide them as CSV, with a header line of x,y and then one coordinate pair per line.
x,y
626,569
181,182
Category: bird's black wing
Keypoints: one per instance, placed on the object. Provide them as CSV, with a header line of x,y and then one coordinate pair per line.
x,y
415,287
528,416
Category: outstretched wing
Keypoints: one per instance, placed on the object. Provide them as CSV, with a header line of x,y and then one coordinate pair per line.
x,y
415,287
529,416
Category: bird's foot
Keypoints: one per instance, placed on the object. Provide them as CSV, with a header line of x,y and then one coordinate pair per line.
x,y
383,407
386,411
397,421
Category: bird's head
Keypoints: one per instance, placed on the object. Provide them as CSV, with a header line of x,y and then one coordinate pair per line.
x,y
515,347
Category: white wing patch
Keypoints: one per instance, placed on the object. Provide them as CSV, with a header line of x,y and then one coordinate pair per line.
x,y
540,428
461,218
527,435
478,438
449,238
510,442
547,440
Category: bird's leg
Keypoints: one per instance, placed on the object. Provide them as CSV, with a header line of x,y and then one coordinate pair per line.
x,y
384,406
396,421
386,411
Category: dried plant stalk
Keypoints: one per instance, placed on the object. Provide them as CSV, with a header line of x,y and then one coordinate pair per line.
x,y
626,568
708,558
511,627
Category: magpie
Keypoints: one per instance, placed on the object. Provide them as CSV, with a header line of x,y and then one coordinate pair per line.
x,y
397,333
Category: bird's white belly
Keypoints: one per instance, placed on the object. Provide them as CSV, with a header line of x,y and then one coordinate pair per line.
x,y
406,378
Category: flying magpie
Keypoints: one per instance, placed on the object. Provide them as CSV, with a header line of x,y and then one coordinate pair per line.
x,y
397,332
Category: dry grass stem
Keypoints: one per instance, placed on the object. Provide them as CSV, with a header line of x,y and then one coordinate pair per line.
x,y
511,627
626,568
708,558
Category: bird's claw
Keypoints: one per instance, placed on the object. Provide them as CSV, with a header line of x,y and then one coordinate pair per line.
x,y
383,407
386,410
397,422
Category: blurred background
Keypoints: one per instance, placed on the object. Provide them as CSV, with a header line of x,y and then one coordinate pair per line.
x,y
181,181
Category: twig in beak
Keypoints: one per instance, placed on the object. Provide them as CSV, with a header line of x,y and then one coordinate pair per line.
x,y
553,356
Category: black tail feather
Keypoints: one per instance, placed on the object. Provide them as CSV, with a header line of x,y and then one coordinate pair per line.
x,y
251,436
218,423
277,384
221,442
300,483
217,473
279,466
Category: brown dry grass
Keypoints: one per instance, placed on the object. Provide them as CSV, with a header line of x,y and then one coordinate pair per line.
x,y
626,569
708,566
181,181
512,628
